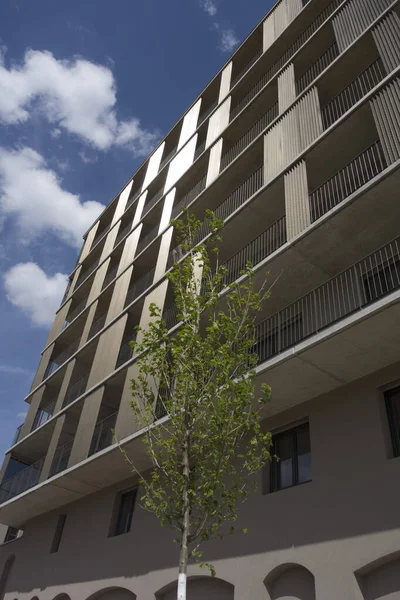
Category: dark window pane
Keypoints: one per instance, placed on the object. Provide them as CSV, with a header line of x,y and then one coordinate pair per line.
x,y
286,473
12,534
393,412
58,533
126,507
293,462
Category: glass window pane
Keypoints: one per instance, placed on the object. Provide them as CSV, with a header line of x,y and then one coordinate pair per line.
x,y
127,504
286,472
284,445
304,467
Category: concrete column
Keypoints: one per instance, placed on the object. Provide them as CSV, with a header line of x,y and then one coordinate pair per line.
x,y
385,108
286,88
110,241
218,121
119,295
225,84
32,410
125,424
181,163
273,152
86,425
88,324
297,204
98,281
387,39
58,322
189,124
139,209
66,381
167,211
268,31
88,242
107,351
55,438
44,361
121,203
162,259
129,251
214,162
153,166
156,296
74,281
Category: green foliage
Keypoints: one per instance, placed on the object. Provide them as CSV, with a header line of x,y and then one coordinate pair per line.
x,y
203,377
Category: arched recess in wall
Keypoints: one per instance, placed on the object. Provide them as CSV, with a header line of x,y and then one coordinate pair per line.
x,y
380,580
113,593
35,598
5,574
290,582
199,588
62,597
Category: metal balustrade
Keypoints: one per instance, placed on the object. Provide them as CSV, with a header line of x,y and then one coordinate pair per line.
x,y
132,199
157,196
97,325
354,92
358,286
286,56
139,286
43,414
170,316
317,67
247,67
102,435
87,272
123,233
77,311
21,481
207,113
76,389
249,136
17,434
56,362
148,238
67,289
61,458
199,150
100,236
345,182
167,158
126,351
111,275
160,410
189,196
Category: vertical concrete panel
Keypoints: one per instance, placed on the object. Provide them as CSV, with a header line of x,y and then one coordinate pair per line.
x,y
218,121
291,136
110,241
64,386
281,18
74,281
125,424
167,210
273,152
153,166
310,119
139,208
107,351
89,322
52,448
387,39
386,109
180,164
32,410
268,32
293,7
58,322
119,295
189,124
98,281
225,84
297,206
44,361
156,296
354,18
89,241
122,201
86,425
163,254
286,88
214,162
129,251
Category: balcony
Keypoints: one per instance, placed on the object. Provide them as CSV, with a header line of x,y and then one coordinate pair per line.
x,y
189,196
59,360
61,458
148,238
247,67
102,435
100,236
22,481
125,351
139,286
17,434
87,272
74,313
44,414
133,199
167,158
97,325
123,233
317,68
360,285
111,275
153,201
76,389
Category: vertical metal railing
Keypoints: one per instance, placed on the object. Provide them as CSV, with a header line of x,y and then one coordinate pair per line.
x,y
97,325
111,275
133,198
100,236
102,435
247,67
358,286
123,233
61,458
148,238
170,315
56,362
189,196
76,389
139,286
207,113
17,434
317,67
21,481
356,90
357,173
153,201
43,414
167,158
87,272
126,351
77,310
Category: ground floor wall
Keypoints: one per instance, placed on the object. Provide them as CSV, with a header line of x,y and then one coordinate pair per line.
x,y
336,537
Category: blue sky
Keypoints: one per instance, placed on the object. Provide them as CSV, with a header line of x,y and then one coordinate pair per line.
x,y
86,90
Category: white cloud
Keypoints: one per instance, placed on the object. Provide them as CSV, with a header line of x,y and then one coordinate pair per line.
x,y
33,193
75,95
22,415
37,295
10,370
209,7
228,41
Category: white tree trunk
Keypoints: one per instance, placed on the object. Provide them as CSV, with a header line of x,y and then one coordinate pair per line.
x,y
182,586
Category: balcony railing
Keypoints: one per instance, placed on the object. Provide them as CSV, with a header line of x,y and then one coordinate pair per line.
x,y
111,275
167,158
148,238
358,286
139,286
273,70
66,291
249,136
357,173
17,434
21,481
123,233
189,196
125,351
133,198
153,201
207,113
316,69
100,236
248,66
102,435
87,272
97,325
43,414
170,316
199,150
76,389
59,360
348,97
77,311
61,458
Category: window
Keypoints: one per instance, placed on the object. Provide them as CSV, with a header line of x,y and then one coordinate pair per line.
x,y
125,512
293,465
12,534
393,411
58,534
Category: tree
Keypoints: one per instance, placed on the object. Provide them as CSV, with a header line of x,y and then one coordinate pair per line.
x,y
202,377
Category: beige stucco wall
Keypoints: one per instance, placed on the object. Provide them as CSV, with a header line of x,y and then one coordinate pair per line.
x,y
343,520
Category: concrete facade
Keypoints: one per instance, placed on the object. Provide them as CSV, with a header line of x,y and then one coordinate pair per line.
x,y
296,144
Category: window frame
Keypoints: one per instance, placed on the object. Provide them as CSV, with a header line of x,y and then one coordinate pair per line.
x,y
274,471
58,533
393,420
117,530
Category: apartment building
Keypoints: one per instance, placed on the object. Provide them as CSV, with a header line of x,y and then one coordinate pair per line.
x,y
296,144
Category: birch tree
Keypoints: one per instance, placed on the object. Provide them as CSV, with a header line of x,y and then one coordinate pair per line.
x,y
195,398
